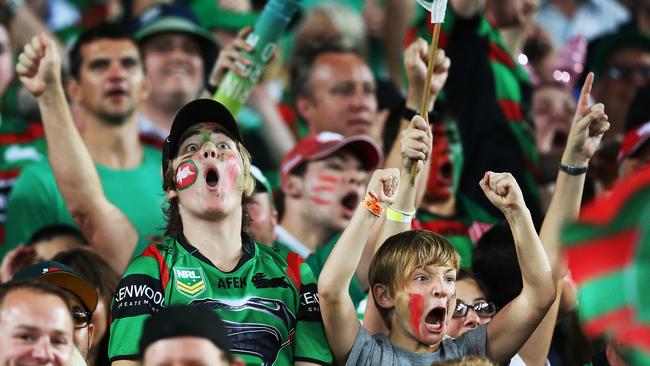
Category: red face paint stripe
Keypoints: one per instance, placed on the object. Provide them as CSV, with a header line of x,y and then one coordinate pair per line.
x,y
416,308
153,252
328,178
604,255
320,201
323,189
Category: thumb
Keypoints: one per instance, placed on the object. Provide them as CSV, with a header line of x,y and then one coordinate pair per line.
x,y
418,123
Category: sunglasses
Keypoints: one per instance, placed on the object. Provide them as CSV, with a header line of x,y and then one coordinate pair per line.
x,y
629,73
81,318
483,309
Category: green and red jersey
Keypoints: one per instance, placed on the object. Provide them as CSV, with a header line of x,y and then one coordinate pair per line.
x,y
462,229
268,302
21,143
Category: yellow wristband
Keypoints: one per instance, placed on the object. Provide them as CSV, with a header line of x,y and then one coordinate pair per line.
x,y
399,216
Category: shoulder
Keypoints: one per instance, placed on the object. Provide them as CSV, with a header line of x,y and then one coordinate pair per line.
x,y
39,170
154,259
370,349
473,342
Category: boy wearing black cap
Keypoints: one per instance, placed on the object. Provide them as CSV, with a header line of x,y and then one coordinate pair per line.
x,y
186,335
268,298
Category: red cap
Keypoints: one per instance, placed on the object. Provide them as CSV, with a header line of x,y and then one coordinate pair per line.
x,y
634,140
324,144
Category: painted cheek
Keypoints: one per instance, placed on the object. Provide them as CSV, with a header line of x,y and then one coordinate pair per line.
x,y
233,173
416,308
322,189
186,174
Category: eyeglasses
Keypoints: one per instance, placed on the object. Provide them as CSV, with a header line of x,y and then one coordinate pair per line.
x,y
484,309
81,318
629,73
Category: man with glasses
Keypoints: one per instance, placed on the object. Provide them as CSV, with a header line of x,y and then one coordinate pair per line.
x,y
621,62
82,297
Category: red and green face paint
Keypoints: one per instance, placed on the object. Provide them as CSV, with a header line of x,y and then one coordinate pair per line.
x,y
323,189
186,174
416,310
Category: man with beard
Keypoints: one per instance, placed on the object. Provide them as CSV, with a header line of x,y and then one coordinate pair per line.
x,y
107,84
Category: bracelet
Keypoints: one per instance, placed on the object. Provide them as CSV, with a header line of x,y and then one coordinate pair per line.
x,y
408,114
371,202
573,169
399,216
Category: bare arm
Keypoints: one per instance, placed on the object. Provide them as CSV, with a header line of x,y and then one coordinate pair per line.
x,y
110,233
415,148
512,326
339,315
587,129
415,64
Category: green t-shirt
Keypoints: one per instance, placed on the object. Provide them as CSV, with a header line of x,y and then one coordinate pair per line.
x,y
35,201
21,144
268,302
317,261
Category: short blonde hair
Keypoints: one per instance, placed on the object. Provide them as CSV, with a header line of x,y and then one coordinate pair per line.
x,y
403,253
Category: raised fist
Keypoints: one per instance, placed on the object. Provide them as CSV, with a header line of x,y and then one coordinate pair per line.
x,y
503,191
384,184
39,65
415,143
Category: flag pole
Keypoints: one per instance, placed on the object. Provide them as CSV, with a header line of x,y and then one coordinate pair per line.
x,y
424,105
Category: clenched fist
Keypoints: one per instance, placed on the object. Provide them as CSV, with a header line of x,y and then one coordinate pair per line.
x,y
39,66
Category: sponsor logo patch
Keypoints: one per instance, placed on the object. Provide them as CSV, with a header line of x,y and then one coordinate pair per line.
x,y
137,294
260,281
186,174
189,281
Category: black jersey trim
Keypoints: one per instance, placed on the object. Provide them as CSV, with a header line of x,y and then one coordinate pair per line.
x,y
124,357
312,360
247,244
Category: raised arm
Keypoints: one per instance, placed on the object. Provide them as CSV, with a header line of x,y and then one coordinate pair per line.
x,y
513,324
415,146
415,64
109,232
587,129
339,315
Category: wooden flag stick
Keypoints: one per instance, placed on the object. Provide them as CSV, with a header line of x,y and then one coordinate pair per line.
x,y
424,106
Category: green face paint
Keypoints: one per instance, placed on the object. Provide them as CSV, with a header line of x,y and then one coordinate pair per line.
x,y
207,137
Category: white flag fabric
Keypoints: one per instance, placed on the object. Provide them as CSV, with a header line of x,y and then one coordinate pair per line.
x,y
437,9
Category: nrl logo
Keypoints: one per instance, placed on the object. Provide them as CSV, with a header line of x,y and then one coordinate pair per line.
x,y
189,281
186,174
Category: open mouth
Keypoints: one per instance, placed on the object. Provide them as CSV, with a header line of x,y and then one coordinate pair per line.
x,y
435,319
446,171
349,203
212,177
559,140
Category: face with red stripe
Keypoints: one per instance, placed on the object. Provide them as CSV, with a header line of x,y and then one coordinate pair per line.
x,y
332,188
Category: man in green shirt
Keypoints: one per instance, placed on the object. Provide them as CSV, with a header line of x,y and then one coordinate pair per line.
x,y
107,84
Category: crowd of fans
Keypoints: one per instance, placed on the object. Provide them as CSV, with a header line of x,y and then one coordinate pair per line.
x,y
327,221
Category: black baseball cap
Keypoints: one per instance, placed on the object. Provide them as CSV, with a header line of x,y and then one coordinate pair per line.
x,y
192,113
62,276
185,321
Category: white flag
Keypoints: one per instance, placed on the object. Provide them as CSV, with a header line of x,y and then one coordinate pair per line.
x,y
437,9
